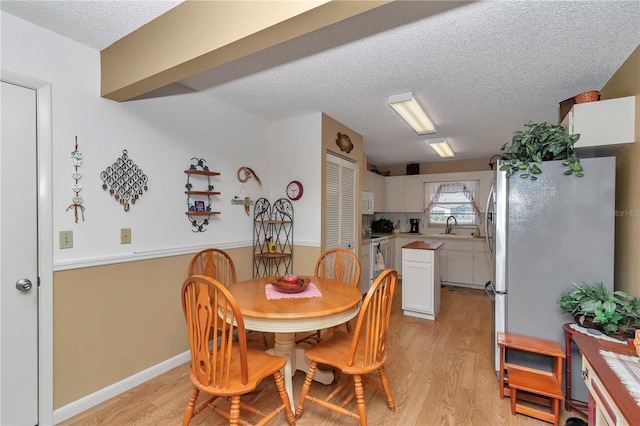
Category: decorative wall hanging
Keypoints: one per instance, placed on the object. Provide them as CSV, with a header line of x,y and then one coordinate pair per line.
x,y
125,180
245,173
199,211
246,201
344,143
76,159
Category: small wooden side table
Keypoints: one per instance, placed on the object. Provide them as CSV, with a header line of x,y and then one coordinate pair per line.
x,y
543,384
579,407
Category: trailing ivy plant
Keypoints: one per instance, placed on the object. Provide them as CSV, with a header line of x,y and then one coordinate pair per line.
x,y
540,142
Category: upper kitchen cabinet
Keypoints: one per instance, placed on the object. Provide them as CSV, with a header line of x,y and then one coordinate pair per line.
x,y
413,194
405,194
377,185
604,126
395,193
379,189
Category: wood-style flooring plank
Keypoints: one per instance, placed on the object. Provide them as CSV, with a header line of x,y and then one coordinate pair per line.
x,y
441,373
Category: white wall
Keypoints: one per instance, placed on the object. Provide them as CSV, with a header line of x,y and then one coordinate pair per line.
x,y
161,136
298,142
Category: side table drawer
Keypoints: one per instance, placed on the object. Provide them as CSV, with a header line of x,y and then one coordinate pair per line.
x,y
606,412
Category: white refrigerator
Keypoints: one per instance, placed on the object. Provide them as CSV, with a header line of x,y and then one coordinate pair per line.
x,y
544,235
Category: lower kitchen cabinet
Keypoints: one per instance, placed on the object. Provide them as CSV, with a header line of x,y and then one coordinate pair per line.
x,y
459,261
482,263
398,242
364,267
460,266
465,262
421,280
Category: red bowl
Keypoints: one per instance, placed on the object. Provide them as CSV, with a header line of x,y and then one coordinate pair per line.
x,y
290,279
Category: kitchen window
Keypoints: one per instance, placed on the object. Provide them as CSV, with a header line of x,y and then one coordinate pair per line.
x,y
452,199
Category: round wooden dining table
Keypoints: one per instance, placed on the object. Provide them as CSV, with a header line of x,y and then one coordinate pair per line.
x,y
337,304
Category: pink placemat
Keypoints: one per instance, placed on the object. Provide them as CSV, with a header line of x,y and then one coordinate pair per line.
x,y
310,291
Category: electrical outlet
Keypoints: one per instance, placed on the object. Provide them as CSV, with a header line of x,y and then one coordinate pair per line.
x,y
125,236
66,239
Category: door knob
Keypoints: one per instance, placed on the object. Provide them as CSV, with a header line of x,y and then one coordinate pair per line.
x,y
23,284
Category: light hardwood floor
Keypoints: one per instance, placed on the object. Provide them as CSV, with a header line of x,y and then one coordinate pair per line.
x,y
440,374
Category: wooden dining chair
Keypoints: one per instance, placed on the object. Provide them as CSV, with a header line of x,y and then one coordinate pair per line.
x,y
339,264
214,263
229,369
356,354
217,264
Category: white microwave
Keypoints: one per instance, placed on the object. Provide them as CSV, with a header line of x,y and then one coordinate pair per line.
x,y
368,202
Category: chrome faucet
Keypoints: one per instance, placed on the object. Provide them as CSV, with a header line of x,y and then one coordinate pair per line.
x,y
448,231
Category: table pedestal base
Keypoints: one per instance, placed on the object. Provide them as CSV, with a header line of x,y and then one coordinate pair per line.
x,y
285,345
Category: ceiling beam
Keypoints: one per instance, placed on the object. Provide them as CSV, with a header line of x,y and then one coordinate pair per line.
x,y
196,36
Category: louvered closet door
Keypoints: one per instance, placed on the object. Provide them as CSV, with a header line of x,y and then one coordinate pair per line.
x,y
340,207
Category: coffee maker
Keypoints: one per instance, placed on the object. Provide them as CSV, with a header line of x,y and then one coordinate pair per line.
x,y
414,226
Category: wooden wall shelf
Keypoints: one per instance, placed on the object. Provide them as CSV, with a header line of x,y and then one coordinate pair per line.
x,y
201,213
199,202
201,193
202,172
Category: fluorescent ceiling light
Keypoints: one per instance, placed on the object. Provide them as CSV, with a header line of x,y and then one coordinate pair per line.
x,y
442,148
410,110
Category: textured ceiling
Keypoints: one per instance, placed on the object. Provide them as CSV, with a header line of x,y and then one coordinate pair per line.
x,y
481,70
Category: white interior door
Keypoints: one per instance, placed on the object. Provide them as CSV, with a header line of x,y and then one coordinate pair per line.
x,y
18,257
340,204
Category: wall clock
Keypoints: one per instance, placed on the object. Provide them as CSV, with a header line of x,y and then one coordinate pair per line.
x,y
294,190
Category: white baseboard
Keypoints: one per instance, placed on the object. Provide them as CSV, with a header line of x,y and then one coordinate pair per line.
x,y
91,400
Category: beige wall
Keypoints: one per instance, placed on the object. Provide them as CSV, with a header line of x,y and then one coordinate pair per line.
x,y
626,82
444,166
113,321
330,130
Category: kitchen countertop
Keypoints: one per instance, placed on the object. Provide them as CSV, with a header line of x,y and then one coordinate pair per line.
x,y
441,236
421,235
423,245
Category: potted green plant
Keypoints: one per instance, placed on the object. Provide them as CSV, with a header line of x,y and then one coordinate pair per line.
x,y
629,307
382,225
540,142
572,301
617,313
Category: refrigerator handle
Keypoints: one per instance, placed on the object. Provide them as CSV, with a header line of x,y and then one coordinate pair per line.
x,y
488,216
489,290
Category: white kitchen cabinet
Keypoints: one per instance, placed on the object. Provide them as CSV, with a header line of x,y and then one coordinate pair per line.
x,y
463,262
379,189
482,263
395,193
421,282
405,194
444,263
399,241
364,267
460,266
602,124
459,261
390,262
413,194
